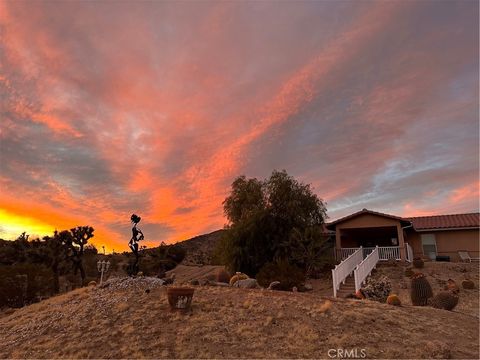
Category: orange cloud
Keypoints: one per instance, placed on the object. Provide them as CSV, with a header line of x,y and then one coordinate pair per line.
x,y
155,112
468,192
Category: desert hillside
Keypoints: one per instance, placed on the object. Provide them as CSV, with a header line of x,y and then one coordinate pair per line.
x,y
199,250
130,318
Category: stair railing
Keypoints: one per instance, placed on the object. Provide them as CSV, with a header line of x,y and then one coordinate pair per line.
x,y
365,267
345,268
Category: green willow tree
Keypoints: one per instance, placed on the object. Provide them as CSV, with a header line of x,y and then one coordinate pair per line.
x,y
265,220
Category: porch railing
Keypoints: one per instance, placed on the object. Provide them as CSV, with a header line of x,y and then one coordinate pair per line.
x,y
346,252
364,269
389,252
345,268
385,252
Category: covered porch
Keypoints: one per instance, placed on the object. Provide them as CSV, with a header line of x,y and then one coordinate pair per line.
x,y
367,229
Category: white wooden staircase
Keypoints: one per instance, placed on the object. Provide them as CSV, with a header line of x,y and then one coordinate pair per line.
x,y
348,288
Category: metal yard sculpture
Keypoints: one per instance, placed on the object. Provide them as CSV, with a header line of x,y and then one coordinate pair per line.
x,y
137,235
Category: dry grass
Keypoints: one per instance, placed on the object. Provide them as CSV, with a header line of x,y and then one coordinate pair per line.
x,y
232,323
437,274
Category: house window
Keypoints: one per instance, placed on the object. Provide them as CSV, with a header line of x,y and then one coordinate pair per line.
x,y
429,245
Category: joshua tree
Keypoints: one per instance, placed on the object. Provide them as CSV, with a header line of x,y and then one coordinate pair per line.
x,y
55,254
75,244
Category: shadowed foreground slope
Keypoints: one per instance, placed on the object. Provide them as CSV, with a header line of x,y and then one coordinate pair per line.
x,y
124,321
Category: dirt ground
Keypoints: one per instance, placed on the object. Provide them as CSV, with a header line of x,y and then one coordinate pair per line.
x,y
185,273
124,320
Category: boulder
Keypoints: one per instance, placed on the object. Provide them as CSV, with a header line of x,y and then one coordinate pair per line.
x,y
238,276
274,285
308,287
247,284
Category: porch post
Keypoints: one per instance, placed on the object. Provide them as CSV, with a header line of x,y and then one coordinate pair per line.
x,y
401,242
338,244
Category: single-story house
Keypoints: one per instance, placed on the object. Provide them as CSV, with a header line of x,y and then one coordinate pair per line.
x,y
402,238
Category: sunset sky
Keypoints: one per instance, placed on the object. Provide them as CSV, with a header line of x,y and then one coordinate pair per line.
x,y
109,108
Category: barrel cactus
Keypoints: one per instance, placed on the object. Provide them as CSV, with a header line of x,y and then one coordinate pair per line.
x,y
393,300
418,263
444,300
236,277
468,284
222,276
421,290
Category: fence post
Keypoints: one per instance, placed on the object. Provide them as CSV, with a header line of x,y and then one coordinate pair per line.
x,y
334,283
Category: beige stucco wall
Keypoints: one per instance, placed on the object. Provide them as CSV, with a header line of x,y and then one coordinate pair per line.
x,y
449,242
367,220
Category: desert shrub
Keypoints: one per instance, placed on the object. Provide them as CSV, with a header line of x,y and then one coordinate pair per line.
x,y
309,249
90,249
176,253
161,259
418,263
147,265
377,289
393,300
444,300
152,266
222,276
421,290
288,275
73,281
409,272
90,265
468,284
22,284
114,261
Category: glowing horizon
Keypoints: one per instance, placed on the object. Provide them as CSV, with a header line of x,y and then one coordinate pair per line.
x,y
110,109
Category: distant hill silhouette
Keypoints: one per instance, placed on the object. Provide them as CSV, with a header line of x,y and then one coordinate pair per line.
x,y
200,248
